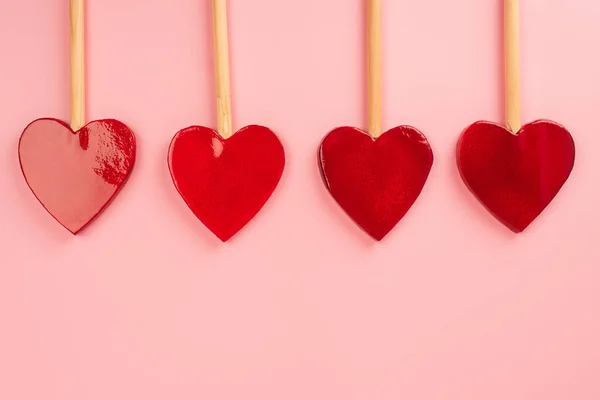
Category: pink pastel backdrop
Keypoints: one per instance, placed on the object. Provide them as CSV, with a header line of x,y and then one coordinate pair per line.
x,y
146,304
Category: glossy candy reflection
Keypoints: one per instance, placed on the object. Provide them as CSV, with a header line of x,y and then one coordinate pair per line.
x,y
376,181
226,182
75,175
516,176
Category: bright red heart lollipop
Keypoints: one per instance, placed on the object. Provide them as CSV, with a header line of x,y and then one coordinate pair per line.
x,y
226,182
375,177
76,171
515,173
225,179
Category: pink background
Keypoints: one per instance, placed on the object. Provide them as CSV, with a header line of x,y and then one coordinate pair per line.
x,y
146,304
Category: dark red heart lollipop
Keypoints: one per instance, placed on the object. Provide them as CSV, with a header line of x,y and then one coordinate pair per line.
x,y
375,177
226,182
375,181
75,175
515,172
515,176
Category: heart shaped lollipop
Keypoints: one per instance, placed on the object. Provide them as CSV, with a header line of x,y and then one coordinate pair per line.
x,y
75,175
225,180
375,177
375,181
76,171
516,172
516,176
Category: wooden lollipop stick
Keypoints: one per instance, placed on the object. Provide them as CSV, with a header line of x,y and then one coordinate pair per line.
x,y
374,65
512,65
224,127
77,66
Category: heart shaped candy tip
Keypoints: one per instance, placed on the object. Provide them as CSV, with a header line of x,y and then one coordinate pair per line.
x,y
375,181
75,175
226,182
515,176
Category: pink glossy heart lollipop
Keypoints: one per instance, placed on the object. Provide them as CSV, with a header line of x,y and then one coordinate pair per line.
x,y
75,171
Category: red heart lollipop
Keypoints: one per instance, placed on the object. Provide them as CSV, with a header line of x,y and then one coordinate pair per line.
x,y
226,182
375,181
375,177
515,176
515,172
75,175
225,179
